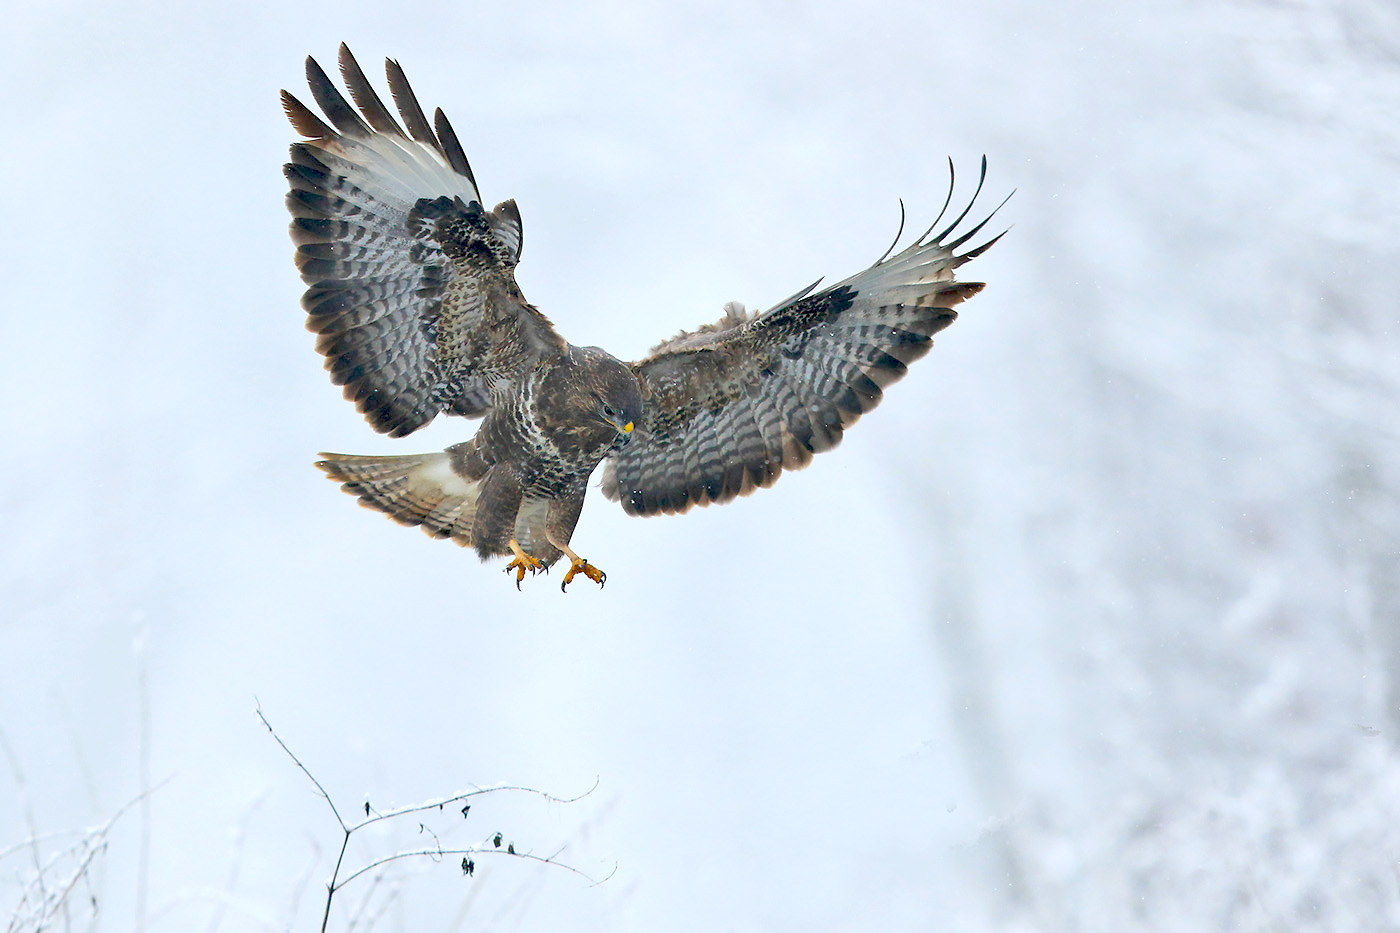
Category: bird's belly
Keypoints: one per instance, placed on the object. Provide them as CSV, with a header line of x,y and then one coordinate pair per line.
x,y
554,480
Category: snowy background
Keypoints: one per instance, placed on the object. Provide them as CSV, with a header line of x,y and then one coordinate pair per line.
x,y
1091,626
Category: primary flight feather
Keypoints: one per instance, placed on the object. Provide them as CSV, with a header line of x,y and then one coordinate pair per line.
x,y
411,289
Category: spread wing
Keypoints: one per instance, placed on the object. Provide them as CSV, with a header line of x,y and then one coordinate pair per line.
x,y
733,405
410,281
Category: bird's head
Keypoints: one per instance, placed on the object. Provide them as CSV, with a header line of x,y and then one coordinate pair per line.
x,y
617,399
602,396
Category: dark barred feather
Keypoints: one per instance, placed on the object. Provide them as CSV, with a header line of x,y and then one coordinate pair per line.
x,y
410,282
734,404
420,490
411,292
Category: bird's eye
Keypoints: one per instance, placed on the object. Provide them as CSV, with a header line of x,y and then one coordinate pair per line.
x,y
607,410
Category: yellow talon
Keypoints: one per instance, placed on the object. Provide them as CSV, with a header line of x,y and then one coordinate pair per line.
x,y
579,565
522,563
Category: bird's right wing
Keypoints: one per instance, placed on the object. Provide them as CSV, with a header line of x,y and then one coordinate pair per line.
x,y
410,281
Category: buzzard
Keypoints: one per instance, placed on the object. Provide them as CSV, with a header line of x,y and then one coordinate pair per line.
x,y
411,291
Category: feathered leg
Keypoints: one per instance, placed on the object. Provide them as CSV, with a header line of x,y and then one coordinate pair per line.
x,y
559,528
494,528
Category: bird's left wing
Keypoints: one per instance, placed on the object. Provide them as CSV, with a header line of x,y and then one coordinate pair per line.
x,y
733,405
410,281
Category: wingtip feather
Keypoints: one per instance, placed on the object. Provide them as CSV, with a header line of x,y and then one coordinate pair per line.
x,y
364,95
452,147
303,120
409,108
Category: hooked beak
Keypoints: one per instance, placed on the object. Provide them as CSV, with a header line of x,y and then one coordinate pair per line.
x,y
620,428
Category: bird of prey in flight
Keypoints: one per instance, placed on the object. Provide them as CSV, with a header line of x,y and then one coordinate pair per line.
x,y
410,287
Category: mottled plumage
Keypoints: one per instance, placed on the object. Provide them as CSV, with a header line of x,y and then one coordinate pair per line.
x,y
411,289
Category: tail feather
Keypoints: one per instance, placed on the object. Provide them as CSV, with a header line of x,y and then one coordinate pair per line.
x,y
420,489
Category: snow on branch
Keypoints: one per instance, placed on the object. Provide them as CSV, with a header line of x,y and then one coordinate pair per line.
x,y
493,845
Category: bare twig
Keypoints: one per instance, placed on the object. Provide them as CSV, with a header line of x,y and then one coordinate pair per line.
x,y
240,839
30,820
441,803
40,904
144,765
435,852
309,776
438,854
372,918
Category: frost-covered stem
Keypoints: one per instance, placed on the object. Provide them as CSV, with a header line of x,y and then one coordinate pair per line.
x,y
31,821
144,766
437,852
47,902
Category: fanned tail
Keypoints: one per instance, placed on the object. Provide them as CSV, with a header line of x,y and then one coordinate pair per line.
x,y
420,489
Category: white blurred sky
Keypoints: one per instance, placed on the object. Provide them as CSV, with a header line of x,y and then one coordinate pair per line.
x,y
1075,632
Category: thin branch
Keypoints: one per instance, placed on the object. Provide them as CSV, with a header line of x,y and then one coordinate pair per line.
x,y
437,852
28,844
439,804
31,821
143,856
300,887
331,886
363,911
309,776
474,850
423,828
50,901
235,866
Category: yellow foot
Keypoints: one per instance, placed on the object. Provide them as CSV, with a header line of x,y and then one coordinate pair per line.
x,y
522,563
579,565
